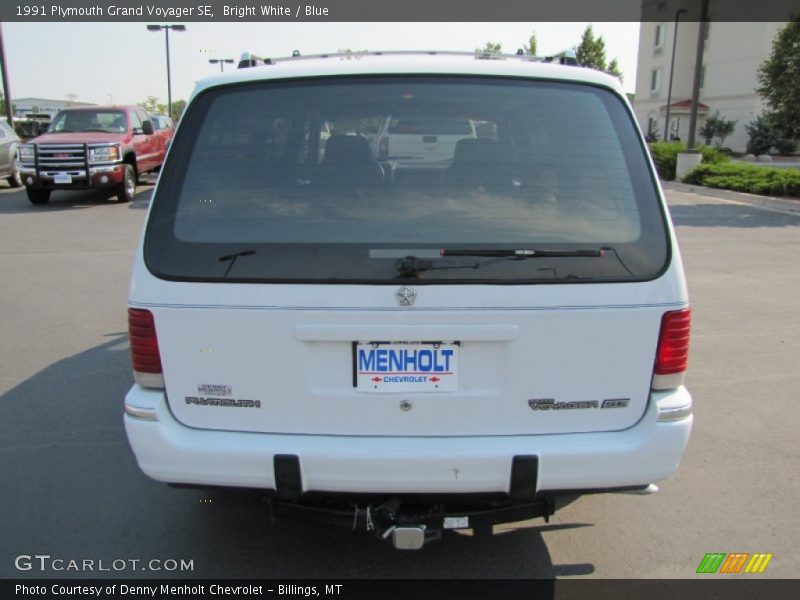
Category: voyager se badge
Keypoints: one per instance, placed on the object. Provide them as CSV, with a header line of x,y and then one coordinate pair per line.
x,y
551,404
228,402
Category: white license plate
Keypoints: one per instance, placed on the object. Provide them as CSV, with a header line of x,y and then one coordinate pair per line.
x,y
62,178
406,366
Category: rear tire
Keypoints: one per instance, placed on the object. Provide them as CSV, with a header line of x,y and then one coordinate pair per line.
x,y
38,196
15,179
126,190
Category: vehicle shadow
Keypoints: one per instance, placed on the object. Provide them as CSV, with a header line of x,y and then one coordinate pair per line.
x,y
77,493
14,200
729,215
142,199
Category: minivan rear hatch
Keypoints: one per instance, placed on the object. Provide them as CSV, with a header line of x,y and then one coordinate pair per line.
x,y
517,292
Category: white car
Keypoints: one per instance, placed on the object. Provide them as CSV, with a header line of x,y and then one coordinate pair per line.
x,y
410,356
408,142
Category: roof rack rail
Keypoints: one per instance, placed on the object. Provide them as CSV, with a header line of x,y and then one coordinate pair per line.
x,y
248,59
567,57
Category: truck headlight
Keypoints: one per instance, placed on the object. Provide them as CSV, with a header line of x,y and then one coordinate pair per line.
x,y
26,154
104,154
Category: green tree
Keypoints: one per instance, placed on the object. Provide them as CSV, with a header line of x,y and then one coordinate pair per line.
x,y
530,48
765,133
716,128
613,68
490,48
177,109
591,52
762,135
779,79
150,104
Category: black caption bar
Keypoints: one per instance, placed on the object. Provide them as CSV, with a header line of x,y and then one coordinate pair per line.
x,y
418,589
387,10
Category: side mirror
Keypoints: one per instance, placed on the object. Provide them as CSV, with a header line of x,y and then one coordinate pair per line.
x,y
147,128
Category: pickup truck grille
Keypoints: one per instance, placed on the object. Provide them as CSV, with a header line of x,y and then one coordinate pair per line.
x,y
61,156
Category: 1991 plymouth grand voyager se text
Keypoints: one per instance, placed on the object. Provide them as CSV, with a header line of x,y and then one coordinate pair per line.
x,y
417,354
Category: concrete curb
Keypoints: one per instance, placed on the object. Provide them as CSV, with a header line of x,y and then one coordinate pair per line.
x,y
785,205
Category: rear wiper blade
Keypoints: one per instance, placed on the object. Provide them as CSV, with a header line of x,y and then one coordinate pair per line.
x,y
231,259
524,253
411,266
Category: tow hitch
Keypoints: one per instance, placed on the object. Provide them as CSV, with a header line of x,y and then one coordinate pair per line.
x,y
410,538
409,526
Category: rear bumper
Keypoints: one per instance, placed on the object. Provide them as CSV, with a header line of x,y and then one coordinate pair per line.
x,y
168,451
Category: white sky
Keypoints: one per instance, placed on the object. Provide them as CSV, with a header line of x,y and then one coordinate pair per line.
x,y
124,63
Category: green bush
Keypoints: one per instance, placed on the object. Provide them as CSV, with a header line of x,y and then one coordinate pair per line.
x,y
762,135
665,156
767,181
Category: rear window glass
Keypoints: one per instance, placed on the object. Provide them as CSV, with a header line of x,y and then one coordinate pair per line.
x,y
291,181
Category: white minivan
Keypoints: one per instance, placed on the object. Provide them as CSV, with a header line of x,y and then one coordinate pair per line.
x,y
417,354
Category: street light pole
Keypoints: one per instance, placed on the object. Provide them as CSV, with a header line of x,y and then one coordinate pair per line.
x,y
169,77
698,67
6,91
221,62
166,29
678,14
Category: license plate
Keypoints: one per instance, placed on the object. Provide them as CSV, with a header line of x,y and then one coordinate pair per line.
x,y
406,366
62,178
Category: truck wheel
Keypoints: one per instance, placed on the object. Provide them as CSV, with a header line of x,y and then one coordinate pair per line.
x,y
15,179
38,196
126,190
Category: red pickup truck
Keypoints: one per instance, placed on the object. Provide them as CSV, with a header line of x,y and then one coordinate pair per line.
x,y
93,147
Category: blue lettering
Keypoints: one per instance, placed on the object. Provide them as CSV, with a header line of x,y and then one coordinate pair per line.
x,y
366,360
447,354
381,362
410,361
424,354
396,360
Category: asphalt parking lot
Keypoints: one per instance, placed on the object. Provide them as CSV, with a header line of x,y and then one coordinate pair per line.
x,y
69,486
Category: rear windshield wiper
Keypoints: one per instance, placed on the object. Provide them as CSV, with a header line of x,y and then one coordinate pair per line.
x,y
411,266
232,258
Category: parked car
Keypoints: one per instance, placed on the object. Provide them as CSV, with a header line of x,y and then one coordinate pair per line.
x,y
31,125
410,355
9,154
164,127
417,141
93,147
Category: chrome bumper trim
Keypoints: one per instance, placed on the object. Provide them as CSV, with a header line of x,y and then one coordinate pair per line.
x,y
674,414
146,414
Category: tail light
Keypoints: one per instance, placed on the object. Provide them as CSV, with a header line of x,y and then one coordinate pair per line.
x,y
672,354
145,357
383,148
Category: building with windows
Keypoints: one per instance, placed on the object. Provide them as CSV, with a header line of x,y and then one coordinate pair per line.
x,y
42,106
732,54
